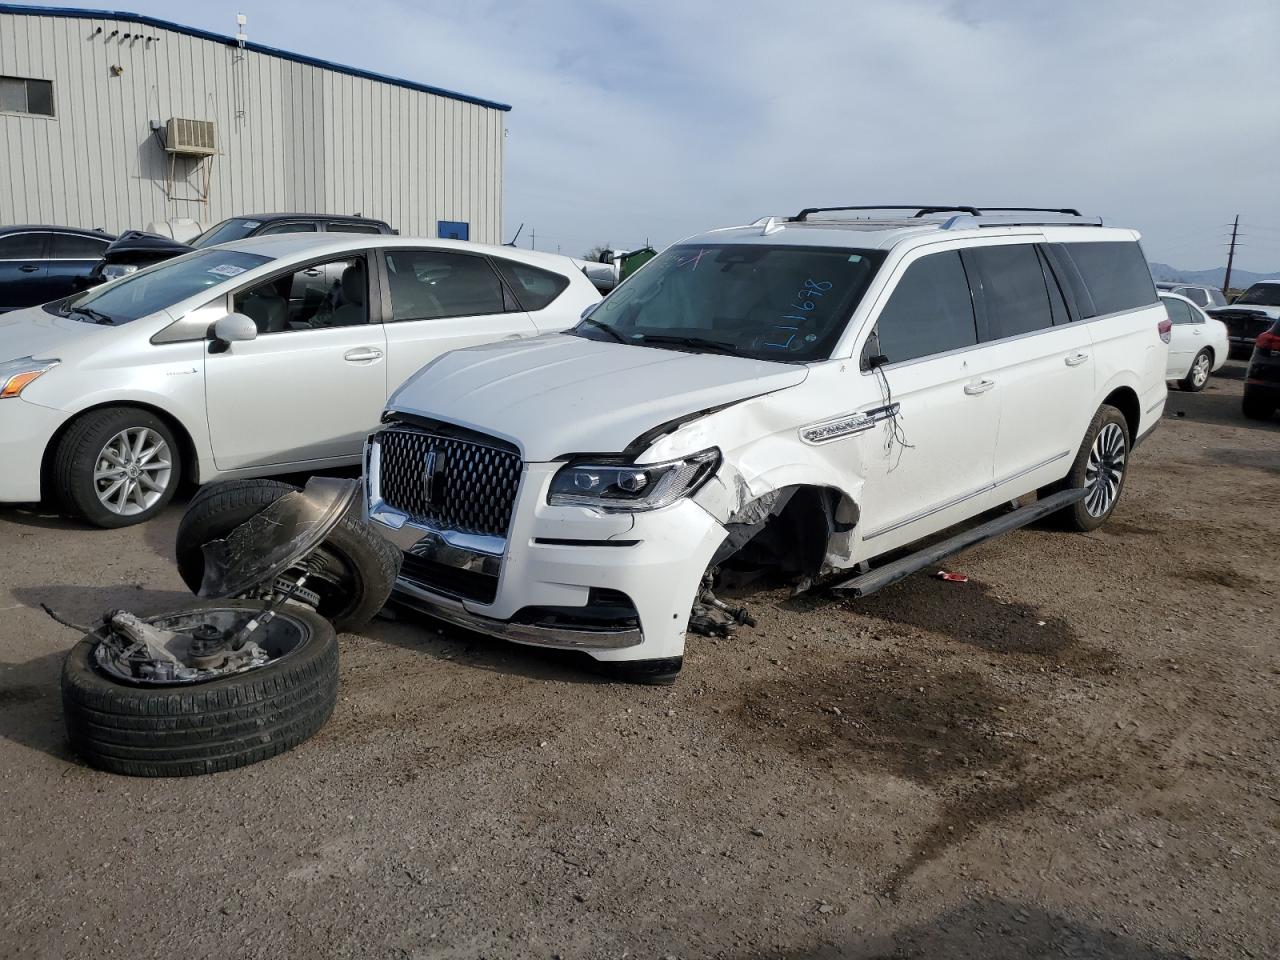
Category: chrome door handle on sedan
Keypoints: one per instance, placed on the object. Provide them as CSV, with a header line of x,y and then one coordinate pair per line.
x,y
978,386
1076,359
362,353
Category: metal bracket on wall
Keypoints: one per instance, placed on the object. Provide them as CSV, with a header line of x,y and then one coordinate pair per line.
x,y
204,170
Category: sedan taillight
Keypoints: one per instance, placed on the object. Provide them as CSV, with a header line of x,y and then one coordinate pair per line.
x,y
1270,340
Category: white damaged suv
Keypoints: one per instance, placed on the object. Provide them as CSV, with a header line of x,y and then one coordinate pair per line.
x,y
817,394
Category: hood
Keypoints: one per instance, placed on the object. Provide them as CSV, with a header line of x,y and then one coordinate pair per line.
x,y
556,395
35,333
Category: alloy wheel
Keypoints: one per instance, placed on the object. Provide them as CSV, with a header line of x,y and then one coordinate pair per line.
x,y
132,471
1200,370
1105,470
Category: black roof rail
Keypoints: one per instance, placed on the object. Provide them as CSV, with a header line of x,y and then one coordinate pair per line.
x,y
921,210
1067,211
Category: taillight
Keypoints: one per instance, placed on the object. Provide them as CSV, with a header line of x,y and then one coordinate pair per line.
x,y
1268,341
1165,327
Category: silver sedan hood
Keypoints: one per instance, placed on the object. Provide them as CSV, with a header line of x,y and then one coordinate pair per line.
x,y
557,395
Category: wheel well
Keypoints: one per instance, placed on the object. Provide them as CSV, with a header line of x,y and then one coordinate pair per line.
x,y
186,446
788,530
1126,401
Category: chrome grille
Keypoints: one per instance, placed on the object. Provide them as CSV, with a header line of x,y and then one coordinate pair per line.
x,y
451,483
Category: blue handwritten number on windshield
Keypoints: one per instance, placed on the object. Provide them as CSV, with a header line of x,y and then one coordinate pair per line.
x,y
802,310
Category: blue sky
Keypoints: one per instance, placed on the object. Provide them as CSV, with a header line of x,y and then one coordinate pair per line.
x,y
654,120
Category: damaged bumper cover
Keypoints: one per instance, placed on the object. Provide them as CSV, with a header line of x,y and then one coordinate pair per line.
x,y
619,586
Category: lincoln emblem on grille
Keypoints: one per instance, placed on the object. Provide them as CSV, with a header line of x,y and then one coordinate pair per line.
x,y
433,475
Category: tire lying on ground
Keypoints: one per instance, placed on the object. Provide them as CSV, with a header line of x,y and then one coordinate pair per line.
x,y
361,565
179,730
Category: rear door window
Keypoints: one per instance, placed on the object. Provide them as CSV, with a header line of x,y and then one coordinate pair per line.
x,y
535,288
1115,273
290,226
1014,294
342,226
1179,312
74,246
432,285
930,311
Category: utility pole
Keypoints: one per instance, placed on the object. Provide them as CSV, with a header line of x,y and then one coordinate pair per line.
x,y
1231,255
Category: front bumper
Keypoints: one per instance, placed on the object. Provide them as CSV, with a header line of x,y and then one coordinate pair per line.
x,y
555,562
25,431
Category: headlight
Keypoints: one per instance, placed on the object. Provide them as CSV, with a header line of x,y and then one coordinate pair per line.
x,y
629,487
114,271
16,374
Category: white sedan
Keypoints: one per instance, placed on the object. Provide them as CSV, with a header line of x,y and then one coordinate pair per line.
x,y
1198,345
265,356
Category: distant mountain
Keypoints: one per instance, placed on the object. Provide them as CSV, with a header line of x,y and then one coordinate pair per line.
x,y
1212,278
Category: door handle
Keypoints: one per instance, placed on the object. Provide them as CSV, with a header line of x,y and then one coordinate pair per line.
x,y
978,386
362,353
1076,359
28,268
1196,332
313,272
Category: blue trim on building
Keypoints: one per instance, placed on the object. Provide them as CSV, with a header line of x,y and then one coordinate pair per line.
x,y
126,17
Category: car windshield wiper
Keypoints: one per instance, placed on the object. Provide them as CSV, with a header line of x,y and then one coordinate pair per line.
x,y
697,343
605,327
97,316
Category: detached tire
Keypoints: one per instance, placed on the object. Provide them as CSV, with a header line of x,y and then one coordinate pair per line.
x,y
364,564
182,730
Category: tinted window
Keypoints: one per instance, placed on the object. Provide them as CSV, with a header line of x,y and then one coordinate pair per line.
x,y
23,95
1115,273
319,295
290,226
1196,295
930,311
534,287
73,246
1014,295
162,285
1261,295
226,231
772,302
22,246
1179,312
344,227
429,285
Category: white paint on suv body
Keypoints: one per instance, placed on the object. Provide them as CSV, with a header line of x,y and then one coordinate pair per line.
x,y
968,453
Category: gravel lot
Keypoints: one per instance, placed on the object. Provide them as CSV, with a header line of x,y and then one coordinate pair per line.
x,y
1072,755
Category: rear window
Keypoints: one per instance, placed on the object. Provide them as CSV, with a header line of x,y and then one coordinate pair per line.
x,y
1116,274
1261,295
535,288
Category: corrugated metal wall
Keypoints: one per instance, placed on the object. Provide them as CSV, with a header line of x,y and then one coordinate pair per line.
x,y
291,136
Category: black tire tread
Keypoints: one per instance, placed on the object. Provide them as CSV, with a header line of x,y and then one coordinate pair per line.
x,y
205,728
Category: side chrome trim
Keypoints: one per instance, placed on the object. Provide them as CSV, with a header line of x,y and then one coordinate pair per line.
x,y
452,611
847,425
956,501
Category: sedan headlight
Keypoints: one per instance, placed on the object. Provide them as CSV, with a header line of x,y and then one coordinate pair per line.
x,y
630,487
114,271
15,375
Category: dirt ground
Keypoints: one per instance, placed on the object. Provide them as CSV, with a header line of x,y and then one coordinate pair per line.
x,y
1072,755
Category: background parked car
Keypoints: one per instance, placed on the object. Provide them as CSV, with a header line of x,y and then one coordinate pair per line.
x,y
269,355
1250,314
42,263
1262,380
1198,343
135,249
1201,296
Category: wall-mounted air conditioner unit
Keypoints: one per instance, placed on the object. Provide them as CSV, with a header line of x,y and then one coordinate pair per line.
x,y
190,138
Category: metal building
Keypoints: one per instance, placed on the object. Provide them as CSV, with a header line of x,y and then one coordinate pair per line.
x,y
116,120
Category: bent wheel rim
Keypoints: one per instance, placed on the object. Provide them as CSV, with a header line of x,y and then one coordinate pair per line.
x,y
1200,371
1105,470
132,471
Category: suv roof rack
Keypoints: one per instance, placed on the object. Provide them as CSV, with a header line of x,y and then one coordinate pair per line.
x,y
964,213
920,210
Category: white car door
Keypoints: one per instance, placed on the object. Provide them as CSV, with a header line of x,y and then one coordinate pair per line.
x,y
442,300
929,462
1185,338
313,383
1041,362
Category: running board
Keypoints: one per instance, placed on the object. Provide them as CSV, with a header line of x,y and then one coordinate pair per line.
x,y
873,580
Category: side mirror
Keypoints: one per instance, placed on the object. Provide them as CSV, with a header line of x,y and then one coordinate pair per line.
x,y
235,328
